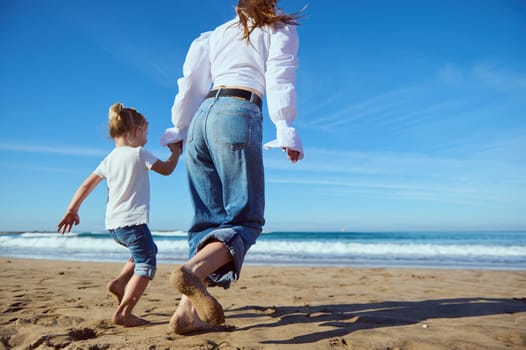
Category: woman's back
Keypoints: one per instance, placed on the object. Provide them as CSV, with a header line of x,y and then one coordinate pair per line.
x,y
234,61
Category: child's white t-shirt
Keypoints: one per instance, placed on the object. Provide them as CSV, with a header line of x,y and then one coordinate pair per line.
x,y
126,172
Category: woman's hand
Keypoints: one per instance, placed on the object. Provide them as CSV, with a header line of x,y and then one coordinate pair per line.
x,y
176,148
292,155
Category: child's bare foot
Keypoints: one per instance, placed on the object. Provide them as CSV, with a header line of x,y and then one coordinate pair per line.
x,y
128,321
185,321
116,288
207,307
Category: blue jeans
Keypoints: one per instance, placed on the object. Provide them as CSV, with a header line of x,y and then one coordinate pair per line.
x,y
225,172
138,239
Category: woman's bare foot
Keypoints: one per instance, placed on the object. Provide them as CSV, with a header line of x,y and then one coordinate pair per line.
x,y
128,321
116,288
185,319
206,306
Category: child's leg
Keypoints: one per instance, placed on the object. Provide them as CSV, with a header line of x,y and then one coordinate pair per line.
x,y
137,273
118,285
134,290
188,279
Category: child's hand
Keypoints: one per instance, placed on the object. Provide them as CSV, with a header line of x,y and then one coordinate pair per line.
x,y
67,222
176,148
166,168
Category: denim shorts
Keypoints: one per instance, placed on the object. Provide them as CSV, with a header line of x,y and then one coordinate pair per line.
x,y
138,239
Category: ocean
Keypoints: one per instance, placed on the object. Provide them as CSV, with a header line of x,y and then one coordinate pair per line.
x,y
477,250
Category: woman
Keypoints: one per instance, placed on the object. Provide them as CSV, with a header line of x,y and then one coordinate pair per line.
x,y
252,54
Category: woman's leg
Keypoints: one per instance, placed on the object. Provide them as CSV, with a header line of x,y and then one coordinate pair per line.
x,y
210,258
198,310
225,171
185,319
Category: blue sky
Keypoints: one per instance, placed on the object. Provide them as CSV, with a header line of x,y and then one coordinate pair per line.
x,y
412,113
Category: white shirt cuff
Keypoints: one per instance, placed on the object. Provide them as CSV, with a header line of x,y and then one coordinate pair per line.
x,y
286,136
173,135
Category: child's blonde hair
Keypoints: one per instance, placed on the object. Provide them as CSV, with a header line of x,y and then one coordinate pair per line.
x,y
122,120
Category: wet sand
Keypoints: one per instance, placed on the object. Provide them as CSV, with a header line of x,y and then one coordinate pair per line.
x,y
48,304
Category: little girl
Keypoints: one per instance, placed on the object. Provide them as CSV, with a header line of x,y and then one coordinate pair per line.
x,y
127,211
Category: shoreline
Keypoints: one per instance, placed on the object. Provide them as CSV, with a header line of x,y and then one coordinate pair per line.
x,y
53,303
313,263
496,251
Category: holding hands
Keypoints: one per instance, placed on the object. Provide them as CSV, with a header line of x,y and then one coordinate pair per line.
x,y
176,147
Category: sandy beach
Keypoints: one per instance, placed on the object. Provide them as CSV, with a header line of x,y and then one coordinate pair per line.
x,y
64,305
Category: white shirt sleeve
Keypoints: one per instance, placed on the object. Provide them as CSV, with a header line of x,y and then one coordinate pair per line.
x,y
193,87
100,170
147,157
280,79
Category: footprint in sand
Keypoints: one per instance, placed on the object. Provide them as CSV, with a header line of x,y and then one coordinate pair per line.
x,y
59,341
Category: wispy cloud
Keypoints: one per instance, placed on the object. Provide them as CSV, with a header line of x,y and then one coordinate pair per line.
x,y
379,106
396,189
487,73
474,181
366,163
38,169
398,110
453,93
65,150
496,76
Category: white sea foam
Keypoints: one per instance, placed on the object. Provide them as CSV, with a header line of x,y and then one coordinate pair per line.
x,y
271,249
73,242
169,234
342,249
280,247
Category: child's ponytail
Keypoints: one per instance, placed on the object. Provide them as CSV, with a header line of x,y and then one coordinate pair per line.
x,y
122,120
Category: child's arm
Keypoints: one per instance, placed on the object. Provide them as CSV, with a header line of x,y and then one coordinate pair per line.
x,y
166,168
71,217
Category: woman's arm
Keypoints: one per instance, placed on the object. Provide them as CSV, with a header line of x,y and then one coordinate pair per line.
x,y
281,90
193,87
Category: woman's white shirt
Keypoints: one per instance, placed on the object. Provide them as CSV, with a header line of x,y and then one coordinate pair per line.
x,y
267,64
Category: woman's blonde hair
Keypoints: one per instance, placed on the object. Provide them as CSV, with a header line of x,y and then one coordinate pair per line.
x,y
258,13
122,120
